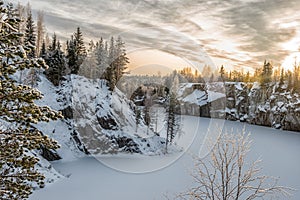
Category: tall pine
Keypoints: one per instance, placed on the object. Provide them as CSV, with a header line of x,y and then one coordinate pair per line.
x,y
121,59
30,35
76,51
18,114
101,58
172,125
56,61
117,61
266,74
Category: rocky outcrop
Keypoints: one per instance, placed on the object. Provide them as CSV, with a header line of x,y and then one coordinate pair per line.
x,y
126,144
67,112
101,121
271,105
49,154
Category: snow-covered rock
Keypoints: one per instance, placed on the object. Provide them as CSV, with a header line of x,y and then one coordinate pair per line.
x,y
247,102
96,120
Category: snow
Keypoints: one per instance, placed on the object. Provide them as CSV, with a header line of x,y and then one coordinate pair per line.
x,y
148,176
198,97
213,96
239,86
256,85
116,177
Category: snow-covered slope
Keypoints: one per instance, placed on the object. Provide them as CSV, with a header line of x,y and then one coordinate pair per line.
x,y
96,120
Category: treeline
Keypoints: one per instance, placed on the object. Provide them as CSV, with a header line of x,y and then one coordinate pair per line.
x,y
266,75
102,59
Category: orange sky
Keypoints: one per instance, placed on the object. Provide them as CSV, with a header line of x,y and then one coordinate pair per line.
x,y
152,62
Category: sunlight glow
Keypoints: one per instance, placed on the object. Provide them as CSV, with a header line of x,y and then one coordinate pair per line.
x,y
153,62
291,60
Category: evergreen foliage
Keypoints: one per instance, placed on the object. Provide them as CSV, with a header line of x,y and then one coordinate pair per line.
x,y
56,62
76,51
18,113
117,61
172,123
30,36
138,116
266,75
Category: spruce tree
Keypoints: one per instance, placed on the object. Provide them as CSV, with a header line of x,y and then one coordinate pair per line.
x,y
71,55
109,73
121,59
43,51
101,58
171,120
138,117
222,73
281,80
30,35
80,51
18,114
30,46
266,74
56,62
76,51
40,29
117,61
296,78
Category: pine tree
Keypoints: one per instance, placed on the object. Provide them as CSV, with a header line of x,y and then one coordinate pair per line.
x,y
56,62
266,74
30,46
53,45
171,120
296,78
138,116
109,74
18,113
40,32
76,51
222,73
247,77
290,80
71,55
281,80
43,51
147,117
116,61
121,59
30,36
92,47
101,58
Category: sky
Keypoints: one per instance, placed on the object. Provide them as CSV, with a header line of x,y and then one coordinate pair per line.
x,y
240,34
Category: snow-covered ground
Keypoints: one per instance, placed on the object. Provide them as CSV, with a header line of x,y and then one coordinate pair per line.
x,y
113,177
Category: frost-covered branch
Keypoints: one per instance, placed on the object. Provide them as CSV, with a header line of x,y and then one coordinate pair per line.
x,y
224,174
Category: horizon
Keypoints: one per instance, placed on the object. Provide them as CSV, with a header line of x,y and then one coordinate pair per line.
x,y
235,34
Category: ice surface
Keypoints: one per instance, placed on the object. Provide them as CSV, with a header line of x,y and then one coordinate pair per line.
x,y
92,180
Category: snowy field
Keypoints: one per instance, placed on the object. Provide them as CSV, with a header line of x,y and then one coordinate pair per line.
x,y
137,177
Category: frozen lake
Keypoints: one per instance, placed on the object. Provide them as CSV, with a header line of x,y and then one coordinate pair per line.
x,y
137,177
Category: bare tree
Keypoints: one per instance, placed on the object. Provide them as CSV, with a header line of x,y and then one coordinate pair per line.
x,y
40,31
225,175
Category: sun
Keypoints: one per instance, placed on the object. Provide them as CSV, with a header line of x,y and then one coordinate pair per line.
x,y
290,61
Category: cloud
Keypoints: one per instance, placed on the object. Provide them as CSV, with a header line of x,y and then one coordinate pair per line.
x,y
240,32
